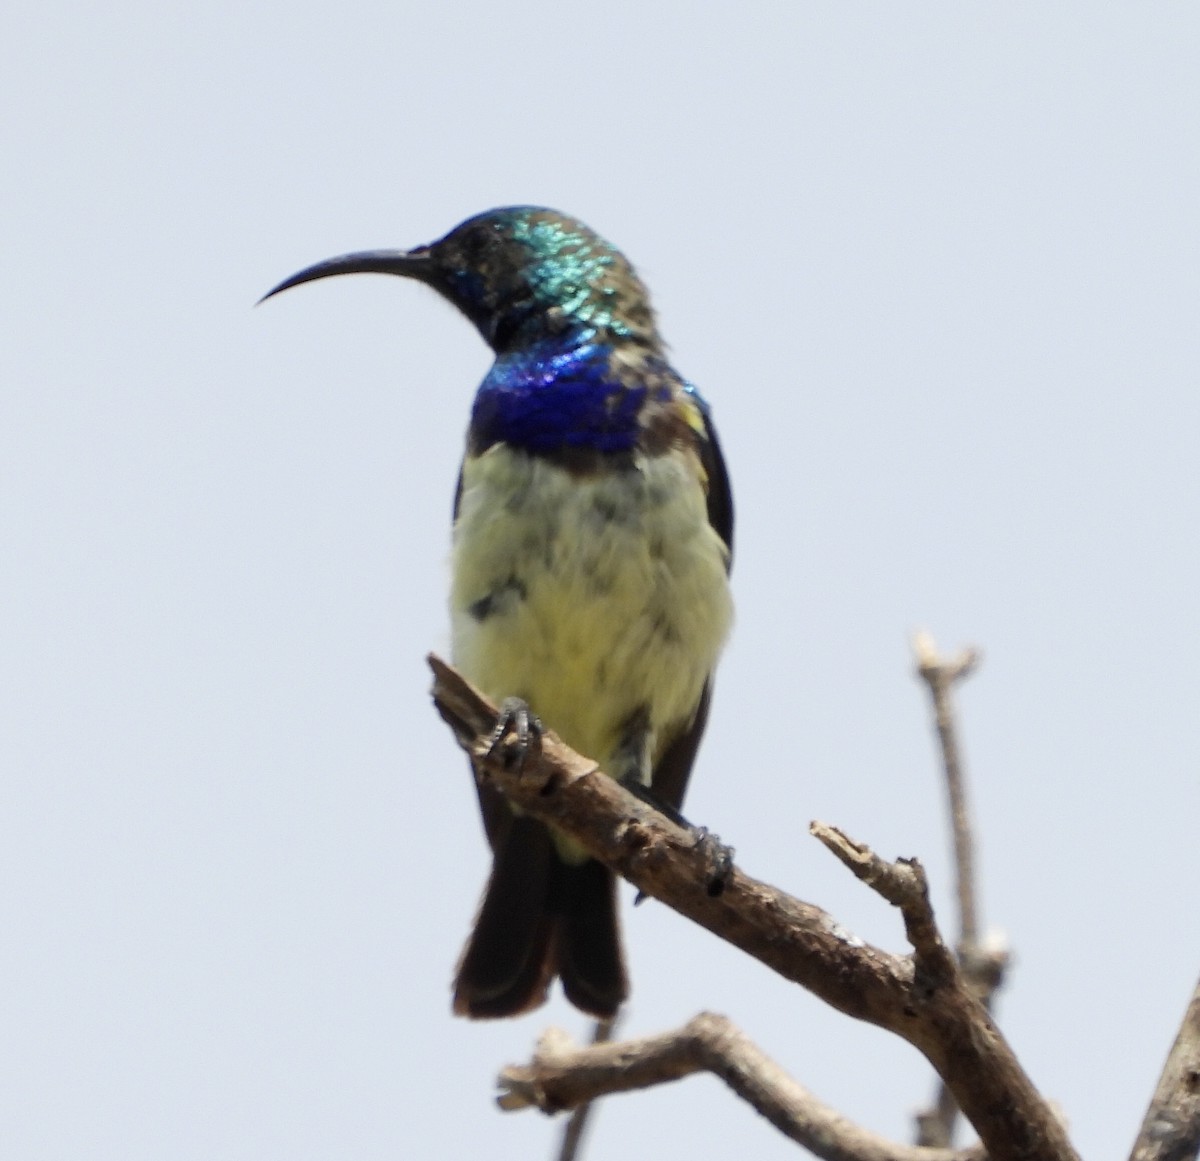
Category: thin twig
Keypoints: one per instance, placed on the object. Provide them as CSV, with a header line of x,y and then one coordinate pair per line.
x,y
982,968
575,1127
903,885
1171,1130
940,675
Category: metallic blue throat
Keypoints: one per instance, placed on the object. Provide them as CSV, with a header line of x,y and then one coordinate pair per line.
x,y
546,398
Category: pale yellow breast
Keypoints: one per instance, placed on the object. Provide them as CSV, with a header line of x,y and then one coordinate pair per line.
x,y
589,596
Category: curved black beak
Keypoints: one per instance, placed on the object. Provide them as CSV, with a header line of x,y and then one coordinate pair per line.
x,y
416,264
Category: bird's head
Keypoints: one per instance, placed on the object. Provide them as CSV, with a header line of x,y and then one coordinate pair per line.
x,y
521,274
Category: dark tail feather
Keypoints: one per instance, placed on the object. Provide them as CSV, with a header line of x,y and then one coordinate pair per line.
x,y
588,943
506,966
541,917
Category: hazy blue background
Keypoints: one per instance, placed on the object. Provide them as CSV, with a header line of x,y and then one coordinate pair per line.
x,y
937,268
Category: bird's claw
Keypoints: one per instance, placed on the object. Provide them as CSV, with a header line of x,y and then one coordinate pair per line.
x,y
517,735
719,858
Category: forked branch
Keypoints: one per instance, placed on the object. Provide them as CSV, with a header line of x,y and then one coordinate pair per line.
x,y
922,998
563,1076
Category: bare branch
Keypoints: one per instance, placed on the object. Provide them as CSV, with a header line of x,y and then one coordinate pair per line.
x,y
564,1076
572,1137
1171,1130
902,884
940,674
983,968
931,1009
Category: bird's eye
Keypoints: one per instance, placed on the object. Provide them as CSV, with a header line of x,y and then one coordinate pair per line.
x,y
475,242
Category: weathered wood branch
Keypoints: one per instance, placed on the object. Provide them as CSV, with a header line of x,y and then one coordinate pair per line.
x,y
982,966
940,675
563,1076
1171,1130
922,998
576,1127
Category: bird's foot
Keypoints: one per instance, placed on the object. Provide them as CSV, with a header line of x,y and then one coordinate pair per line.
x,y
517,736
717,855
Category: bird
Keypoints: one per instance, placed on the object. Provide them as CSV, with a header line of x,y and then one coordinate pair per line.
x,y
591,549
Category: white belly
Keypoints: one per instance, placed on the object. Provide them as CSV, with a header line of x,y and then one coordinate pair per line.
x,y
590,597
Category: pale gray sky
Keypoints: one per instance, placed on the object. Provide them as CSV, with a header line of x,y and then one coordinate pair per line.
x,y
937,268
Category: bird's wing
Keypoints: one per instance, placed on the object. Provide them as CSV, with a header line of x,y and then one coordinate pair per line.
x,y
720,498
670,778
